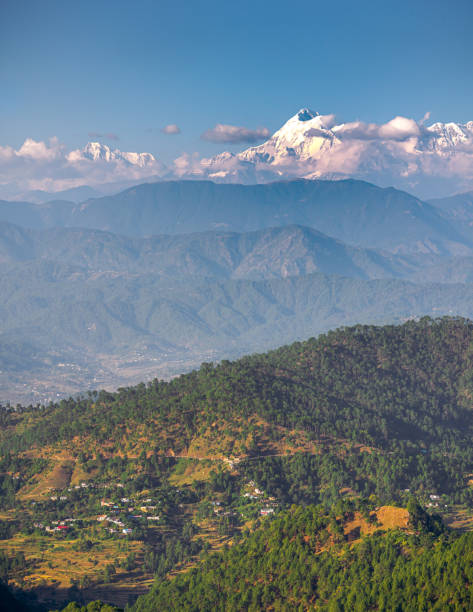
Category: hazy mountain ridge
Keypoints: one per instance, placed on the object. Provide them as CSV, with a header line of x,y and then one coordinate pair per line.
x,y
108,321
352,211
270,253
459,205
78,300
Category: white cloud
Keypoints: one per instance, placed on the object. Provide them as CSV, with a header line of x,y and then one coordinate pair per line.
x,y
6,153
399,128
171,129
400,152
235,134
49,166
39,151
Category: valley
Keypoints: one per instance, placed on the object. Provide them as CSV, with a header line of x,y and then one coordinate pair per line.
x,y
94,295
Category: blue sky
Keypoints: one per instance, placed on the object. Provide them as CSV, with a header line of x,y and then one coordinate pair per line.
x,y
68,69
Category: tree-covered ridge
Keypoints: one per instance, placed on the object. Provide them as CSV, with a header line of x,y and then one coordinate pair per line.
x,y
393,385
407,382
285,566
371,410
155,475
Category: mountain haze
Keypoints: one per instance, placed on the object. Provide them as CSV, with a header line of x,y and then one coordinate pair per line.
x,y
355,212
270,253
110,329
459,205
352,211
115,289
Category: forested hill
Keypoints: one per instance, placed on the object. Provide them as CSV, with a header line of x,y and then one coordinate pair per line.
x,y
288,565
367,416
384,386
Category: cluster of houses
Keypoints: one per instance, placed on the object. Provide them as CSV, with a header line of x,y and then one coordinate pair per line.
x,y
435,501
124,503
82,485
60,526
270,503
253,494
62,497
121,524
120,517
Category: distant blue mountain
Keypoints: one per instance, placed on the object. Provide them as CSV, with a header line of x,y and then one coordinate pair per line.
x,y
162,276
353,211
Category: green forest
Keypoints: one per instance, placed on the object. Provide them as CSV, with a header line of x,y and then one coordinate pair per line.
x,y
282,567
231,487
395,387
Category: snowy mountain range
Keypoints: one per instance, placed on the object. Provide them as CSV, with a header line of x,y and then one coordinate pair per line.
x,y
97,151
401,152
429,161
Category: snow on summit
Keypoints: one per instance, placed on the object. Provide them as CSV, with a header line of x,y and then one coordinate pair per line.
x,y
305,136
401,152
97,151
429,161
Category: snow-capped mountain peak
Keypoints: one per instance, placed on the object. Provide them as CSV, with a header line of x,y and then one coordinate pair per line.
x,y
401,152
430,160
446,138
97,151
304,136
